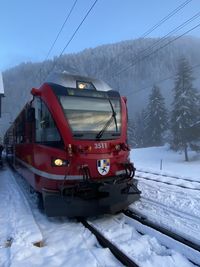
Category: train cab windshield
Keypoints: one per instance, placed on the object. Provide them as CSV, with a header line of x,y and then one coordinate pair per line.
x,y
91,117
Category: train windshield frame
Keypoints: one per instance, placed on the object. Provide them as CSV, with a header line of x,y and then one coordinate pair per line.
x,y
87,116
89,112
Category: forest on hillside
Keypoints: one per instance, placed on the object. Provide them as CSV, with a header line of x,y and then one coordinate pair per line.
x,y
132,67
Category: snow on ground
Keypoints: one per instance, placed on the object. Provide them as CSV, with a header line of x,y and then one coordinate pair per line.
x,y
145,249
68,243
17,224
175,208
172,162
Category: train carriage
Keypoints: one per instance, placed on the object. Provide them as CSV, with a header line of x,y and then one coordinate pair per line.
x,y
70,144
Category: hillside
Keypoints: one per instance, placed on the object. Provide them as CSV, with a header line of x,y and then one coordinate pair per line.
x,y
106,62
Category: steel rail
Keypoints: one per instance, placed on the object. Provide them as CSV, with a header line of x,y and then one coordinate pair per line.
x,y
165,182
161,229
123,258
170,176
168,183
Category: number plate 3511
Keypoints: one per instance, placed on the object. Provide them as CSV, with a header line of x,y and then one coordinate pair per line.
x,y
100,145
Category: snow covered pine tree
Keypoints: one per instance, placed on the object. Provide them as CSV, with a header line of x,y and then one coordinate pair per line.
x,y
185,109
156,118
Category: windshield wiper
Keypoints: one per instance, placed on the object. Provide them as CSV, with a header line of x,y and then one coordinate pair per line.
x,y
99,135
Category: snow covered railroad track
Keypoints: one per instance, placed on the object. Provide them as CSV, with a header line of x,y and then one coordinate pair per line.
x,y
66,242
144,245
162,230
122,257
171,207
182,222
167,179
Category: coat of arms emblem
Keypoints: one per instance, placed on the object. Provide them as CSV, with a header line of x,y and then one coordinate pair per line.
x,y
103,166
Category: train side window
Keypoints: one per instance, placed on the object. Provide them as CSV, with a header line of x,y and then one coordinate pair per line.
x,y
46,130
20,129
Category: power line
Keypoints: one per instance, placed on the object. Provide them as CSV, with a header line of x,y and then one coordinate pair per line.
x,y
67,18
160,81
165,18
177,28
158,49
73,35
53,44
171,14
139,58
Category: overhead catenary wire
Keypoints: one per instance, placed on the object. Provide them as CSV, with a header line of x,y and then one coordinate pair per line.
x,y
142,55
146,33
158,24
67,18
159,81
163,38
171,14
155,51
57,36
73,35
71,10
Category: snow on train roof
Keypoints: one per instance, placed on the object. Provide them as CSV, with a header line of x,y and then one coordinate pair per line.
x,y
69,80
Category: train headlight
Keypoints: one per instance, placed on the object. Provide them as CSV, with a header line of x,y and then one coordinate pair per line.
x,y
59,162
85,85
81,85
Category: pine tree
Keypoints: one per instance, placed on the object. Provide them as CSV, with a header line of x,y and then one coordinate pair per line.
x,y
156,118
185,111
132,133
140,129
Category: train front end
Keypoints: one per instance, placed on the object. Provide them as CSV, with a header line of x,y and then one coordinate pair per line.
x,y
97,175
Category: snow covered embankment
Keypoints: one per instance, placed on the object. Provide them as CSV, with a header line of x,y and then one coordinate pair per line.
x,y
17,222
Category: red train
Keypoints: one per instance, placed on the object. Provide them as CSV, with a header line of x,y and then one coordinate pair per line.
x,y
70,144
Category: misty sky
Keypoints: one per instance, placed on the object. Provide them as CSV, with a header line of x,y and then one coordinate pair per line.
x,y
29,27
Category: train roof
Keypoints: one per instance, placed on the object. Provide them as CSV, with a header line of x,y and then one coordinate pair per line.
x,y
70,80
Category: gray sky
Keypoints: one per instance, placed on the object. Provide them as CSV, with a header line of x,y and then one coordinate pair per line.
x,y
29,27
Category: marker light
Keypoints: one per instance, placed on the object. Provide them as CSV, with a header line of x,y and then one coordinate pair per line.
x,y
117,147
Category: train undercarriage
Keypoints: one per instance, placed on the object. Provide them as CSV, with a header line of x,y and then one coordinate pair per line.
x,y
90,198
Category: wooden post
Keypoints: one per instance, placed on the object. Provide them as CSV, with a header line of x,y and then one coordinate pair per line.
x,y
161,164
